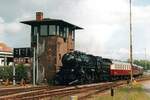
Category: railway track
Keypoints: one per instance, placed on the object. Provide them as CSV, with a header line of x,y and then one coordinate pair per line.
x,y
83,91
8,91
11,93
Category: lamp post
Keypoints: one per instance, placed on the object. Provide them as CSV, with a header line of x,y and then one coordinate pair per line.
x,y
131,57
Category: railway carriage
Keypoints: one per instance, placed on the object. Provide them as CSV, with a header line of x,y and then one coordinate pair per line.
x,y
120,70
137,70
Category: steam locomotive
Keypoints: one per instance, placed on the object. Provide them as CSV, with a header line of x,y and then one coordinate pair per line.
x,y
82,68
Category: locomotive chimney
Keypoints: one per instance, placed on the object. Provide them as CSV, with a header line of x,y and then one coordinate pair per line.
x,y
39,16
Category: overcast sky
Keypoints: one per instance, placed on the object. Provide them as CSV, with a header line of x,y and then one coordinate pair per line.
x,y
105,23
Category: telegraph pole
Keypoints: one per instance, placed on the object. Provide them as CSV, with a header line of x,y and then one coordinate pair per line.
x,y
34,67
131,56
37,60
145,60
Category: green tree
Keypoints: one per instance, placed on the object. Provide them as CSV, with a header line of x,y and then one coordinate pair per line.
x,y
6,72
21,72
144,63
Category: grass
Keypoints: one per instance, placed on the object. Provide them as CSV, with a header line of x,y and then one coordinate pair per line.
x,y
136,92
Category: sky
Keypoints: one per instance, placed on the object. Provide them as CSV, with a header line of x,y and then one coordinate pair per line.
x,y
105,23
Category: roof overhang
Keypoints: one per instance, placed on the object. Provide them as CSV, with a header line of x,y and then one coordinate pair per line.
x,y
51,22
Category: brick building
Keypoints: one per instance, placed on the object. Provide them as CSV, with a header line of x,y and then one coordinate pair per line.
x,y
55,38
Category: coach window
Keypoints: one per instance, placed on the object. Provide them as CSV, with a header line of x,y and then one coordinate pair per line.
x,y
117,66
43,30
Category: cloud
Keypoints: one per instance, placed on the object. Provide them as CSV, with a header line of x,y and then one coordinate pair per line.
x,y
12,28
9,28
109,24
1,26
105,23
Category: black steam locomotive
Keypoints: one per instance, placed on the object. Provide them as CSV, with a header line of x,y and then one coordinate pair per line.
x,y
81,68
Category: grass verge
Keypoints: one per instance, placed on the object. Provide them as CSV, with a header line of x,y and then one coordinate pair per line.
x,y
134,92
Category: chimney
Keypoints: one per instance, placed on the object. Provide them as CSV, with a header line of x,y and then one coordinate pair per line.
x,y
39,16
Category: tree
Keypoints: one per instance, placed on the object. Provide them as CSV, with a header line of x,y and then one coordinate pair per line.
x,y
21,72
6,72
144,63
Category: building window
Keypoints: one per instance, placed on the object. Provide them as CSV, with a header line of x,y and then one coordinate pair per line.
x,y
43,30
61,31
65,32
57,31
52,30
73,34
35,30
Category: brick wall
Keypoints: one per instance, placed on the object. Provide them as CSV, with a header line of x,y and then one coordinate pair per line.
x,y
51,50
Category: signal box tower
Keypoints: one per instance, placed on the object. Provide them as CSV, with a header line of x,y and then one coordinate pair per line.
x,y
54,38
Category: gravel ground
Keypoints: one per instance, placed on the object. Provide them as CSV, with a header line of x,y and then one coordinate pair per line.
x,y
146,87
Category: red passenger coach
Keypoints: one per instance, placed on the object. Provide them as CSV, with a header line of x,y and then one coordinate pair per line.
x,y
137,70
120,69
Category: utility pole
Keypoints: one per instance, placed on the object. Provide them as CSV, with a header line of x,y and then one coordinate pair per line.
x,y
131,57
145,60
34,66
37,58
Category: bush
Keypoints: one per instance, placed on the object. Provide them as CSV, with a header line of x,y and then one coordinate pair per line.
x,y
6,72
21,72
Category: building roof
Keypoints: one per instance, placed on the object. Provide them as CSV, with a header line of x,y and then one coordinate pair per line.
x,y
4,48
51,21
